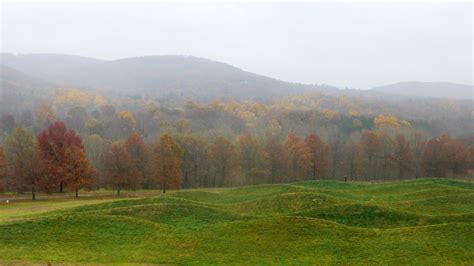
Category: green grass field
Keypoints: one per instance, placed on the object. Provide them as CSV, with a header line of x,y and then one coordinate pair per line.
x,y
423,221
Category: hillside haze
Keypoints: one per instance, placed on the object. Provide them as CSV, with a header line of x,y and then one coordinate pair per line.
x,y
155,76
187,77
429,89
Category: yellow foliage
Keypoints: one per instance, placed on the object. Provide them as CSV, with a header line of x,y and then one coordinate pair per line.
x,y
77,97
129,117
390,121
71,97
275,126
405,123
45,115
259,108
330,114
246,115
353,113
99,100
217,105
232,106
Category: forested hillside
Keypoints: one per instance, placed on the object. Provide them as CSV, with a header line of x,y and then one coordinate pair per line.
x,y
176,77
119,140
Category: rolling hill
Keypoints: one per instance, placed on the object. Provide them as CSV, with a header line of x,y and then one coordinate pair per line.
x,y
16,86
429,89
49,67
185,77
155,76
419,221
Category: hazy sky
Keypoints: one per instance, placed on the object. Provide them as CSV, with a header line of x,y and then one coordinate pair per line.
x,y
357,45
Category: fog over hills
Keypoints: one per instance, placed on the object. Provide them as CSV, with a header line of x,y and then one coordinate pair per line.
x,y
187,77
46,66
429,89
12,77
155,76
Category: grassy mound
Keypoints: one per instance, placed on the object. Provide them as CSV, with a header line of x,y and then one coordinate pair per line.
x,y
372,216
302,240
423,221
451,204
285,203
182,216
84,238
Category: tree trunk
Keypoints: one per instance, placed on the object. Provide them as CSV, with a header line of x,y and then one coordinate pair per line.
x,y
164,186
33,193
118,192
77,193
61,189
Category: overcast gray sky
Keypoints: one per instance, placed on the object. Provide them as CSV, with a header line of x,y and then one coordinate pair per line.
x,y
356,45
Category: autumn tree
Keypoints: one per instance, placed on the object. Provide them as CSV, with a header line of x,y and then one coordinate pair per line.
x,y
95,126
319,156
223,158
372,147
445,154
167,162
78,172
454,155
386,145
139,152
276,158
45,115
432,162
195,160
298,157
402,155
95,146
252,159
77,117
53,144
24,162
3,167
119,168
418,141
352,159
336,145
127,123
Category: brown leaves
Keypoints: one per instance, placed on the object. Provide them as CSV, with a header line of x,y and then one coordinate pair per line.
x,y
167,162
119,167
319,156
298,157
443,156
63,157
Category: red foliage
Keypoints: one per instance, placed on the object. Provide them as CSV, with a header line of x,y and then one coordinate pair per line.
x,y
53,144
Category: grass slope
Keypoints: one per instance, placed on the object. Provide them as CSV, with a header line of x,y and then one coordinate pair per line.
x,y
424,221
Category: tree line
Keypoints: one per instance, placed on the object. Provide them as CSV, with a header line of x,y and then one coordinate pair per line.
x,y
57,160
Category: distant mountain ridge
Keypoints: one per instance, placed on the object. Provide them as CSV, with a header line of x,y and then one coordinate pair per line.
x,y
156,76
46,66
429,89
178,77
12,77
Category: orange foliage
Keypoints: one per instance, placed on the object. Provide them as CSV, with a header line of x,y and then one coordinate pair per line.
x,y
119,168
402,155
319,159
298,157
168,159
78,173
